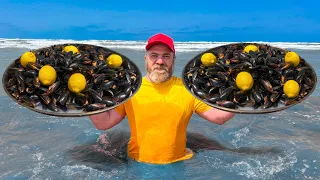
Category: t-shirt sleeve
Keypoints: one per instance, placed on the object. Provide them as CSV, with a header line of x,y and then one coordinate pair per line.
x,y
120,109
200,107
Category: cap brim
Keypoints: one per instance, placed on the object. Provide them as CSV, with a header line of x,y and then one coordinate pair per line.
x,y
158,42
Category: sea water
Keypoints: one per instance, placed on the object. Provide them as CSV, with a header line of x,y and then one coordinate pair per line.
x,y
281,145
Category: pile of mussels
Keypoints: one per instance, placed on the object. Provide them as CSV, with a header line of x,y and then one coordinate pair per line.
x,y
105,87
216,85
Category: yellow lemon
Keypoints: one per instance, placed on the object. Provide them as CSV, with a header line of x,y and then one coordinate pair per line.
x,y
292,57
249,48
244,81
71,48
291,89
27,57
47,75
208,59
77,82
114,61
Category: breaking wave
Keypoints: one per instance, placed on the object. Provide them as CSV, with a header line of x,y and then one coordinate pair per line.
x,y
188,46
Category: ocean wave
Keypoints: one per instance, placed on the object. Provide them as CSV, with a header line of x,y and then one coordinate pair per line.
x,y
188,46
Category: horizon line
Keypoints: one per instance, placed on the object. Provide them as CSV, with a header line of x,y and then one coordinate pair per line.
x,y
256,41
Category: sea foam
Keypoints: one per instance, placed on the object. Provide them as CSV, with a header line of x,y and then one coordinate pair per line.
x,y
188,46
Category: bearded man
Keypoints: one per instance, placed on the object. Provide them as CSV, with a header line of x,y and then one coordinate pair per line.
x,y
160,111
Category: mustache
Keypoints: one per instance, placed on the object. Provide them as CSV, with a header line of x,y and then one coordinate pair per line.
x,y
160,66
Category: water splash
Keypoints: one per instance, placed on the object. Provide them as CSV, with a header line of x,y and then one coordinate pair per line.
x,y
264,168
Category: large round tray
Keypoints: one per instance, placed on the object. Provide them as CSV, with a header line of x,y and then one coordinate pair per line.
x,y
223,60
95,51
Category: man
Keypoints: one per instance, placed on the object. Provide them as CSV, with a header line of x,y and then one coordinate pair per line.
x,y
160,111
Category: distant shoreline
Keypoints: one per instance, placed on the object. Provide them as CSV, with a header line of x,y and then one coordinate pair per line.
x,y
256,41
181,46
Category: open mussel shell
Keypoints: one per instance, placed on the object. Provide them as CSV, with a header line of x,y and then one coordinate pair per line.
x,y
106,87
216,86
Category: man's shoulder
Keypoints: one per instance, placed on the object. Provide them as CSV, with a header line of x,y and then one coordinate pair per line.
x,y
177,80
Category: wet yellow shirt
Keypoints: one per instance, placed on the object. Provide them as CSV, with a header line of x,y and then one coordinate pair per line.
x,y
158,116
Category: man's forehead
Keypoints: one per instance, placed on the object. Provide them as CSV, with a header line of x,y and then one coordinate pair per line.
x,y
159,48
159,52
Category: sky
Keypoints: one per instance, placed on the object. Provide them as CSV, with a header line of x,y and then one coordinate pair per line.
x,y
184,20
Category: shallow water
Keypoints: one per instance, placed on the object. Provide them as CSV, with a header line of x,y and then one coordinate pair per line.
x,y
282,145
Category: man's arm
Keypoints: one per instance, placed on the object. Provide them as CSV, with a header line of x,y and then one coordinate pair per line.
x,y
106,120
216,116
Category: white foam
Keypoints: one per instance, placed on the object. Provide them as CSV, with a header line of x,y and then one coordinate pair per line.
x,y
188,46
262,167
239,135
82,171
37,156
256,169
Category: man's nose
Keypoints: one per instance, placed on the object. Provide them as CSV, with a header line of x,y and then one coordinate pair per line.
x,y
160,60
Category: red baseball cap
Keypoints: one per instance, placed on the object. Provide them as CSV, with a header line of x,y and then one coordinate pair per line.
x,y
160,38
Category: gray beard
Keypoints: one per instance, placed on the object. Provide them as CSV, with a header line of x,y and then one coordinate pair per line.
x,y
159,77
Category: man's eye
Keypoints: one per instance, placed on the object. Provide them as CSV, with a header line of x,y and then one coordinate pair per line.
x,y
166,56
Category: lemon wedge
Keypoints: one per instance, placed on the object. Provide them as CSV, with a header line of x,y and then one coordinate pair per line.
x,y
77,83
47,75
291,89
244,81
26,58
208,59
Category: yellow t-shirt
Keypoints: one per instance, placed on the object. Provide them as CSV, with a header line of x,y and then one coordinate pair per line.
x,y
158,116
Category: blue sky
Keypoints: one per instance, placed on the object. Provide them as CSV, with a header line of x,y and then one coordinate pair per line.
x,y
197,20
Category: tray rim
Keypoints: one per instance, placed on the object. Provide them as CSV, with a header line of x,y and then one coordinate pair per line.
x,y
65,113
239,111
